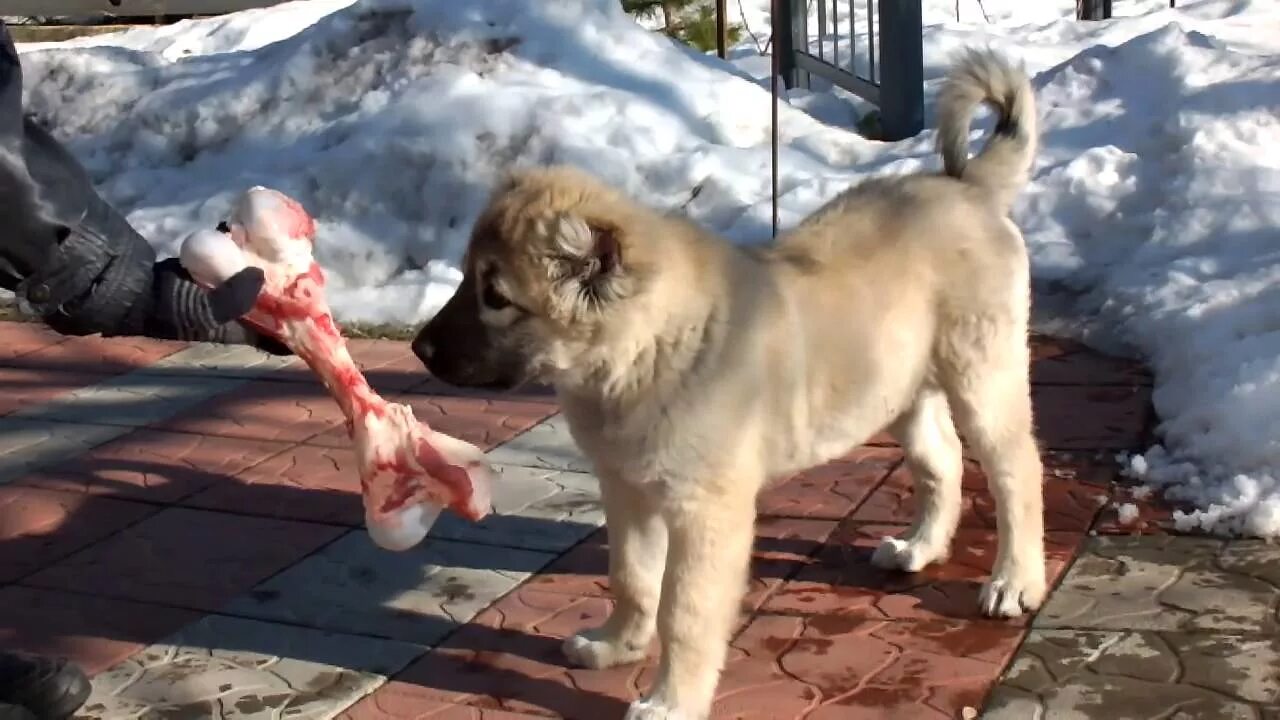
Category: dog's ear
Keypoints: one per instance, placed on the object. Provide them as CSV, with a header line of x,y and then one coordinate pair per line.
x,y
594,247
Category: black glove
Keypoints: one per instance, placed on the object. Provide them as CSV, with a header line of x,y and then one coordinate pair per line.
x,y
182,310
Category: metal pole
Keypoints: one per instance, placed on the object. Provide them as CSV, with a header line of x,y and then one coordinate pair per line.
x,y
722,28
773,90
901,68
1093,9
783,39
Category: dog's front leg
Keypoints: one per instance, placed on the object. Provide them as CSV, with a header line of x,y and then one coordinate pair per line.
x,y
708,558
637,551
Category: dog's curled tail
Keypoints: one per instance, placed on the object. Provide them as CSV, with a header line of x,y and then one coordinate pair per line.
x,y
1003,165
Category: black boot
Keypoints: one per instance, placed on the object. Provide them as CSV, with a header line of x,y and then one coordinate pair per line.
x,y
50,689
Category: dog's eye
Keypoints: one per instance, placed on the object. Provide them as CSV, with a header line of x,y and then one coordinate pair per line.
x,y
493,299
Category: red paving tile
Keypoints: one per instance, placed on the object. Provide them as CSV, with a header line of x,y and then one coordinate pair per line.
x,y
389,365
832,490
156,466
844,582
21,338
187,558
533,393
39,527
262,410
486,423
96,354
1064,362
1075,489
1091,418
304,482
23,387
96,632
403,701
779,667
782,546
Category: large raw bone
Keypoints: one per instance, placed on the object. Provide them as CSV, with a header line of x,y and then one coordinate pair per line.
x,y
408,472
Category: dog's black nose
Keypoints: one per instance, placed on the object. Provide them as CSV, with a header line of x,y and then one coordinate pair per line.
x,y
423,349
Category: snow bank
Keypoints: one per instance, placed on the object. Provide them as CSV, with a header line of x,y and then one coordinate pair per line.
x,y
389,121
1152,217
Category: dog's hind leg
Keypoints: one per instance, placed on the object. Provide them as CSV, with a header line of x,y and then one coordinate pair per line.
x,y
637,552
706,575
990,397
935,461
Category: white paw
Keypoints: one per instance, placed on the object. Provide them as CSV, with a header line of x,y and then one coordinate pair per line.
x,y
585,651
906,555
651,709
1008,595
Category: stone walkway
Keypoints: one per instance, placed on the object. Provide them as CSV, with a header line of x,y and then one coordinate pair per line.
x,y
184,521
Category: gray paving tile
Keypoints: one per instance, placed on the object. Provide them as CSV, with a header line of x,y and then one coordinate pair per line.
x,y
545,445
1169,583
215,360
1121,675
416,596
535,508
27,444
161,390
223,668
133,400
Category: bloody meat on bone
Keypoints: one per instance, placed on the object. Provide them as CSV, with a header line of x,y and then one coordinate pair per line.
x,y
407,470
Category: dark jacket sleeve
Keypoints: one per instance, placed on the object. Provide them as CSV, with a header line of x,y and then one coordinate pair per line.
x,y
66,252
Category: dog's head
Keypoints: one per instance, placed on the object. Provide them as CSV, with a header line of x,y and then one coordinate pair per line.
x,y
549,261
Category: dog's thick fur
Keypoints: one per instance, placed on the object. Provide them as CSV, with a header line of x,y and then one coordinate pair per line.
x,y
691,372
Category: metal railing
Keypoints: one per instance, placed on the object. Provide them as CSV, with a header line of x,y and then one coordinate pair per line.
x,y
886,68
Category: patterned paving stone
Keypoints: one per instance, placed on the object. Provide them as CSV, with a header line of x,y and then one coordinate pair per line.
x,y
528,393
262,410
416,596
96,354
303,482
39,527
483,422
547,445
22,387
1091,418
22,338
212,359
830,491
1063,362
187,558
1075,490
223,668
1169,583
389,365
155,466
534,508
96,632
132,399
779,667
1139,675
28,445
843,582
402,701
782,547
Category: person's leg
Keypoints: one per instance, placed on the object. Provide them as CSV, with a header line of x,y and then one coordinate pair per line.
x,y
51,689
15,712
73,258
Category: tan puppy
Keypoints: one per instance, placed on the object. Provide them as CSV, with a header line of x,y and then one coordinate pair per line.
x,y
691,372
